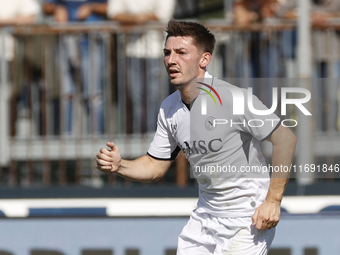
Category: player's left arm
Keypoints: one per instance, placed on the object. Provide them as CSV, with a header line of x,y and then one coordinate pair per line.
x,y
267,215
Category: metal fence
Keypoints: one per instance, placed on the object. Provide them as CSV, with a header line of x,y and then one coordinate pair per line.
x,y
69,89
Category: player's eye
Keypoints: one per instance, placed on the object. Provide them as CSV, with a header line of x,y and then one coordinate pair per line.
x,y
182,53
166,53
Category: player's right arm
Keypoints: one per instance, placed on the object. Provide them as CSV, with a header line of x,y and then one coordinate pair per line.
x,y
143,169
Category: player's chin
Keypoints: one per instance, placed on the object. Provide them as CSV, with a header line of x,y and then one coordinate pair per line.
x,y
177,82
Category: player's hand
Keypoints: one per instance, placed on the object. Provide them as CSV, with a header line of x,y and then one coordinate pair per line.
x,y
267,215
84,11
109,160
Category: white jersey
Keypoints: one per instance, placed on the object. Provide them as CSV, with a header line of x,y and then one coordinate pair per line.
x,y
220,147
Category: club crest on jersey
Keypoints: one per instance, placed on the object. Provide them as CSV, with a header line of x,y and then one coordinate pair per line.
x,y
173,128
209,123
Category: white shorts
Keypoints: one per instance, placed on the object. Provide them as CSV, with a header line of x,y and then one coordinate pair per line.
x,y
205,234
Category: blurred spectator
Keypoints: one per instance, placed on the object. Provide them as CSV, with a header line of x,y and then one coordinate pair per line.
x,y
76,10
144,64
327,44
321,10
246,12
16,12
263,54
326,54
77,55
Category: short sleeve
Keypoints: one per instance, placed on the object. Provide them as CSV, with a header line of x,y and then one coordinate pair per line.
x,y
259,126
163,146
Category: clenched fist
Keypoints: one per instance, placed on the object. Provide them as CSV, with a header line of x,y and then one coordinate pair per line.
x,y
109,161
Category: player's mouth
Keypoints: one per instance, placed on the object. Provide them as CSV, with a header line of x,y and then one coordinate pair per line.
x,y
173,72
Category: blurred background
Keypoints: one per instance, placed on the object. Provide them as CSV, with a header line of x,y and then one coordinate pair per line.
x,y
76,74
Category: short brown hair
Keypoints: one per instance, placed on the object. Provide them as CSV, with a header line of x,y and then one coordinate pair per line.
x,y
202,37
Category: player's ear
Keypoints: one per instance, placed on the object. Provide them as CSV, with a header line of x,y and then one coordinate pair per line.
x,y
205,59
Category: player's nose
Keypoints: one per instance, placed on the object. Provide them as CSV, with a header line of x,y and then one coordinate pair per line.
x,y
172,58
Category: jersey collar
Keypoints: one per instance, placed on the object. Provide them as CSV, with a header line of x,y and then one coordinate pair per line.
x,y
207,75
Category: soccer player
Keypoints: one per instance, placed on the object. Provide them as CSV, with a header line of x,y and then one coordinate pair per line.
x,y
236,213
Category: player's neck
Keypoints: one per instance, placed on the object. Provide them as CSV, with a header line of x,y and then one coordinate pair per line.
x,y
186,93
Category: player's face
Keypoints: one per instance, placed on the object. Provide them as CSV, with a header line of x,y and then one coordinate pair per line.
x,y
181,59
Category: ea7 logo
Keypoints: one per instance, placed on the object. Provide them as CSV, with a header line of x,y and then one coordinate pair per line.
x,y
238,101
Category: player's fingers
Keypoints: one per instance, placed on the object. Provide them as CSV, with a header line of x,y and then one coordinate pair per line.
x,y
261,221
111,145
273,223
106,152
104,162
263,225
101,166
260,225
254,218
273,220
105,157
267,225
104,168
